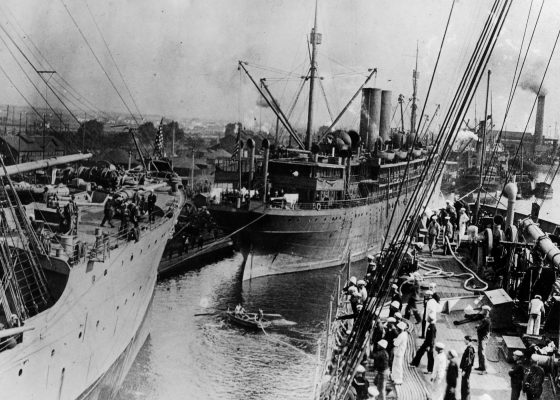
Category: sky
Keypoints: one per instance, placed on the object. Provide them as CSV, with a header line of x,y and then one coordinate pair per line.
x,y
179,57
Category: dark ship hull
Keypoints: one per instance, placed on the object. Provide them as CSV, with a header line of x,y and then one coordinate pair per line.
x,y
286,241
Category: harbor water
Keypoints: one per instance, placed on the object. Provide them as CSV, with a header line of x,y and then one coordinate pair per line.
x,y
205,357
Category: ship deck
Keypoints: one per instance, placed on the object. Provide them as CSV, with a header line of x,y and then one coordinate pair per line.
x,y
416,384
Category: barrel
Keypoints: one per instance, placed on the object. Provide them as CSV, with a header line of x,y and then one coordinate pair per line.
x,y
67,243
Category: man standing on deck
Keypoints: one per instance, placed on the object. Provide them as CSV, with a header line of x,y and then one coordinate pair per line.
x,y
483,333
391,334
381,366
108,212
433,232
451,376
438,374
467,363
362,291
427,346
398,353
396,295
517,375
536,310
152,199
430,310
411,306
448,234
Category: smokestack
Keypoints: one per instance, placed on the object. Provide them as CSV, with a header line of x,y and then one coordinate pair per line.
x,y
385,118
369,117
538,136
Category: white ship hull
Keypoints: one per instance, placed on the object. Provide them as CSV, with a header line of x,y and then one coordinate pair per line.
x,y
83,346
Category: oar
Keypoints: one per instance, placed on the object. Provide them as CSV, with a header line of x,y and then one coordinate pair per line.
x,y
200,314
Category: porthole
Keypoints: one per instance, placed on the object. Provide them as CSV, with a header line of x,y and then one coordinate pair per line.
x,y
20,372
80,335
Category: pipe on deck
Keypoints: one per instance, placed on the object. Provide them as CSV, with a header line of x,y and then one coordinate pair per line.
x,y
49,162
546,245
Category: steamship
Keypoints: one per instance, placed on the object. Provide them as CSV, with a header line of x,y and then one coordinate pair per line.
x,y
75,303
322,203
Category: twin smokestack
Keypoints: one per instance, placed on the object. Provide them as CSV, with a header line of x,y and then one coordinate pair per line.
x,y
375,116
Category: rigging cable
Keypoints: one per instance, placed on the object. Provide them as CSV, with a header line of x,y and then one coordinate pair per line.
x,y
113,59
99,62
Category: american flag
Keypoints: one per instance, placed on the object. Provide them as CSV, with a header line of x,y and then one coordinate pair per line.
x,y
158,146
237,147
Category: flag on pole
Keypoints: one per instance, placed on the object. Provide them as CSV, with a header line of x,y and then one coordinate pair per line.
x,y
236,149
158,146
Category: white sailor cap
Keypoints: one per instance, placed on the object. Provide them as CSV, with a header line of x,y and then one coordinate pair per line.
x,y
538,296
486,307
383,343
353,280
361,282
518,353
401,325
452,353
391,320
428,293
353,289
440,346
398,315
360,369
370,257
394,286
395,304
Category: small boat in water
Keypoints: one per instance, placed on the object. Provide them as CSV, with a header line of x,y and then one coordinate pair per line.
x,y
247,320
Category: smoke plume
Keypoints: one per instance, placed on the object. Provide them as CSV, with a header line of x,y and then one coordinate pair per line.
x,y
531,81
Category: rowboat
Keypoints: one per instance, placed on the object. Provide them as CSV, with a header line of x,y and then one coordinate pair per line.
x,y
247,320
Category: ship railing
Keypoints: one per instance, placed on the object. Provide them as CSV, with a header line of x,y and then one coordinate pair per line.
x,y
100,250
336,204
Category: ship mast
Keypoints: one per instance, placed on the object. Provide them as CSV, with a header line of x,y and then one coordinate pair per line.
x,y
413,111
315,39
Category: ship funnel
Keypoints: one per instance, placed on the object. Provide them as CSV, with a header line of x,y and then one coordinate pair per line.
x,y
538,137
369,117
385,118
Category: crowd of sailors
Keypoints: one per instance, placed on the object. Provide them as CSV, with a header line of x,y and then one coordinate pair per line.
x,y
389,338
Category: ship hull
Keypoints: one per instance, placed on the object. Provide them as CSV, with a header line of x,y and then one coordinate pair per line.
x,y
288,241
83,346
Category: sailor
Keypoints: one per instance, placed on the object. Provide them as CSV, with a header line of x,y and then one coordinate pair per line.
x,y
362,290
71,211
381,367
435,295
430,309
152,198
351,283
483,333
427,346
354,298
108,212
360,383
451,376
433,232
517,375
394,307
438,374
536,310
125,219
400,343
534,380
372,266
391,334
467,363
463,220
448,233
411,307
378,332
451,211
396,295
